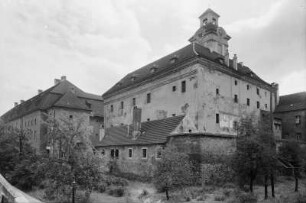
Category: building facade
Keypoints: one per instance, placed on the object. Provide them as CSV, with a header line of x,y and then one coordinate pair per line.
x,y
63,101
291,111
199,82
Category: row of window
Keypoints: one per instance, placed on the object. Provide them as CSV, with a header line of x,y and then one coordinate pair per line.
x,y
248,102
115,153
148,97
30,122
248,87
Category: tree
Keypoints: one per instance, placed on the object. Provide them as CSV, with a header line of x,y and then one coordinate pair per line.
x,y
71,157
173,170
291,152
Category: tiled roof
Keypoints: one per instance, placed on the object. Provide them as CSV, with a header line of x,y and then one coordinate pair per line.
x,y
292,102
63,94
165,65
153,132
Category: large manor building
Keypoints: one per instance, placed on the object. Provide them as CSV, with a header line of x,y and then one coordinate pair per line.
x,y
193,97
62,101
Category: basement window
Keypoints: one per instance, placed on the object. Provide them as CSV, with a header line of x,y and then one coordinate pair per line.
x,y
130,152
144,153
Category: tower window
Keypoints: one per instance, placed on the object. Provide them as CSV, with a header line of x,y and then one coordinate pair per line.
x,y
236,98
248,101
148,98
217,118
183,86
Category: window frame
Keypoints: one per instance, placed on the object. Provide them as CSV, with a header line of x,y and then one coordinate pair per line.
x,y
142,150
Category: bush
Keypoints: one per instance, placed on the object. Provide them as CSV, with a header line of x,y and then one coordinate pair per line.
x,y
101,187
246,198
219,198
143,194
113,180
116,191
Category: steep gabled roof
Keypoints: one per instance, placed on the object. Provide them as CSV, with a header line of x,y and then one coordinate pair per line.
x,y
165,65
64,94
291,102
152,132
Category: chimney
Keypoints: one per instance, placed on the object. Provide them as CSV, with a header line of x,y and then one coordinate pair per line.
x,y
21,101
39,91
226,58
235,62
63,78
56,81
136,122
15,104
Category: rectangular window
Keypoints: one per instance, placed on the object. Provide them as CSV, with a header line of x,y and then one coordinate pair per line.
x,y
217,118
130,152
144,153
266,106
236,98
117,153
248,101
258,105
298,136
173,88
257,91
158,153
148,98
134,102
236,82
248,87
183,86
217,91
297,120
112,152
121,105
112,108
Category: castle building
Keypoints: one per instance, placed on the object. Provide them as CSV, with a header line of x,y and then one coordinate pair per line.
x,y
63,101
198,90
291,111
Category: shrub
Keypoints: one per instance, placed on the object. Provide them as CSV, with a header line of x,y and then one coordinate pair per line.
x,y
219,198
227,192
113,180
143,194
246,198
116,191
101,187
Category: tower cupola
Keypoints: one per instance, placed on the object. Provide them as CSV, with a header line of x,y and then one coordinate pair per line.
x,y
210,35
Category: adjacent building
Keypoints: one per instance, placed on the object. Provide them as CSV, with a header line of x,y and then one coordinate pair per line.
x,y
291,111
198,88
63,101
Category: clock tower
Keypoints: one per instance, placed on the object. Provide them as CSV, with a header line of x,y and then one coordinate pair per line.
x,y
210,34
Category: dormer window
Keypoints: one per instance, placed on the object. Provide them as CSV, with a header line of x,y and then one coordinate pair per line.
x,y
153,69
173,59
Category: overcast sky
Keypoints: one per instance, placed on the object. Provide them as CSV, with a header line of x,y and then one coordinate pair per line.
x,y
96,42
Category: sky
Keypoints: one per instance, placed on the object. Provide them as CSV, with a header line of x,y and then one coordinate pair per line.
x,y
97,42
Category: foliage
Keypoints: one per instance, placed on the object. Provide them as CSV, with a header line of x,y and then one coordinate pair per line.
x,y
173,170
116,191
